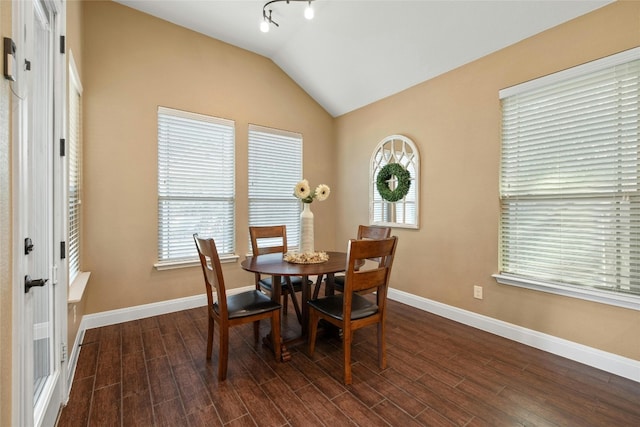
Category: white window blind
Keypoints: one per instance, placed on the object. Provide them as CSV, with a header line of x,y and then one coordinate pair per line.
x,y
196,183
569,178
74,171
275,166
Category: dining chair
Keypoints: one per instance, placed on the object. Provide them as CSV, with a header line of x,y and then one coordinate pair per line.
x,y
350,310
273,239
232,310
371,232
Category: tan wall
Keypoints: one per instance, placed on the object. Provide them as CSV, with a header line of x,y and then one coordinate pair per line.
x,y
455,121
132,63
74,46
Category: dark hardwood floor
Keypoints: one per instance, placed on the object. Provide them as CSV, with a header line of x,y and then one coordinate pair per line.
x,y
153,372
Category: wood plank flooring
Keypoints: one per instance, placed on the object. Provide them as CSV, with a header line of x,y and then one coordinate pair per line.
x,y
153,372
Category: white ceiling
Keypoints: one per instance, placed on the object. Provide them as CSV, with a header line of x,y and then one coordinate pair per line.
x,y
355,52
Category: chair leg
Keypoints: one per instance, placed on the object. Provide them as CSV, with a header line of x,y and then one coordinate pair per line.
x,y
346,345
313,331
382,346
256,331
210,337
224,353
275,334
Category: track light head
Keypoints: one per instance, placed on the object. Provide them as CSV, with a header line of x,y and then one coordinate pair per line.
x,y
308,11
267,20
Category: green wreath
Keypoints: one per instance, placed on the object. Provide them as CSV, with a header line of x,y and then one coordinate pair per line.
x,y
404,182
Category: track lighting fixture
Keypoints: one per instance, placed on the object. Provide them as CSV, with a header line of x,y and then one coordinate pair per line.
x,y
266,17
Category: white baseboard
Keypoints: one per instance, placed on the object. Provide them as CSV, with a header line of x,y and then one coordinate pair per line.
x,y
112,317
73,358
121,315
609,362
622,366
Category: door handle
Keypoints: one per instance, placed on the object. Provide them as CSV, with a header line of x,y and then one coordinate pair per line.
x,y
28,283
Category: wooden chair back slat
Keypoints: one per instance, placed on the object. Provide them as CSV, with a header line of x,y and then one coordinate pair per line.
x,y
212,271
373,232
376,279
259,233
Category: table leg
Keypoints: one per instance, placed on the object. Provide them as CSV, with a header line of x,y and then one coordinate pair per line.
x,y
330,286
316,290
306,295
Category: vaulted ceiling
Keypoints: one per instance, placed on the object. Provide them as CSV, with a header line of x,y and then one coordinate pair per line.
x,y
355,52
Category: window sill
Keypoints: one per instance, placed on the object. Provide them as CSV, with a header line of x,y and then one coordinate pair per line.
x,y
603,297
76,290
172,265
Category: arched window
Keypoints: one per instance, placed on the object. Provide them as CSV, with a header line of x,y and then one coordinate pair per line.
x,y
394,183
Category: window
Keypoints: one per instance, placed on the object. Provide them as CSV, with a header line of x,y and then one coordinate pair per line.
x,y
275,166
402,211
74,190
196,184
569,193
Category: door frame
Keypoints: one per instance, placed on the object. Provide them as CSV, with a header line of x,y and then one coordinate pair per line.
x,y
22,365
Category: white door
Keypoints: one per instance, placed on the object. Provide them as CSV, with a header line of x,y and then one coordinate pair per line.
x,y
39,167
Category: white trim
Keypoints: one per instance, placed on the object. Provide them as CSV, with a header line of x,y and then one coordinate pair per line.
x,y
73,358
41,331
20,414
196,116
274,131
74,76
76,290
613,363
172,265
112,317
631,302
589,67
45,414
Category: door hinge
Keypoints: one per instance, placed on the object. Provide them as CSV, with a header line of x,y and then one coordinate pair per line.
x,y
63,352
63,250
63,147
62,44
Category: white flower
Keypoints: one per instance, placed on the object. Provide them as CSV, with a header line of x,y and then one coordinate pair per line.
x,y
322,192
302,189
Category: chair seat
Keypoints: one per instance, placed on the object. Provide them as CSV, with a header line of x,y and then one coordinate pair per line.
x,y
332,306
248,304
296,282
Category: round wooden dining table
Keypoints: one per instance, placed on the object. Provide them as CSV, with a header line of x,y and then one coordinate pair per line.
x,y
275,266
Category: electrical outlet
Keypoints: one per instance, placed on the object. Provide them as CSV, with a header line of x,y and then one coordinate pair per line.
x,y
477,292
